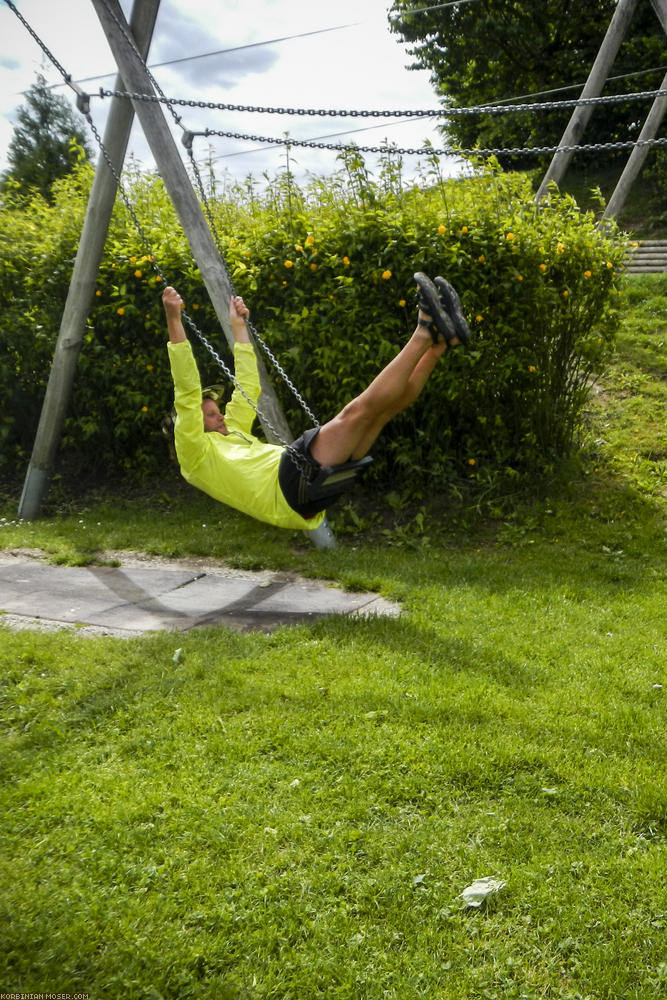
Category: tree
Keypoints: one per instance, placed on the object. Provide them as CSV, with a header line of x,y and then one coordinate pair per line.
x,y
496,50
47,142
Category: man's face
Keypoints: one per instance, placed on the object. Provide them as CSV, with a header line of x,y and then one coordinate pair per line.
x,y
213,418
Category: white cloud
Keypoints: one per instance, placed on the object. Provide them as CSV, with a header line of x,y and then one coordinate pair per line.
x,y
361,65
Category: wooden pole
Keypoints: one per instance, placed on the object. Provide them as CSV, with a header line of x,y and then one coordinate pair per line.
x,y
660,8
179,187
82,284
639,153
592,88
649,131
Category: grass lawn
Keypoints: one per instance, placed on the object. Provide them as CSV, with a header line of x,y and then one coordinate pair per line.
x,y
295,815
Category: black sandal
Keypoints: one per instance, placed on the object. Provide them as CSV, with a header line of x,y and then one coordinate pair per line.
x,y
440,326
451,303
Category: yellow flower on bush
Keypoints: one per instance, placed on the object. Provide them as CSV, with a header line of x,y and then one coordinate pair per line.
x,y
532,368
346,261
310,240
313,267
481,259
298,247
519,277
132,260
289,263
386,275
401,303
472,461
138,273
510,237
441,230
609,264
479,318
120,311
195,305
149,368
565,293
464,229
587,274
144,409
543,268
98,292
560,248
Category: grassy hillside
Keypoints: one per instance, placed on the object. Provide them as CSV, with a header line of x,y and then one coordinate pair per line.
x,y
644,214
296,815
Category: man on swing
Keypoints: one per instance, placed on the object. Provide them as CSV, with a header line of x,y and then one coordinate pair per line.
x,y
218,453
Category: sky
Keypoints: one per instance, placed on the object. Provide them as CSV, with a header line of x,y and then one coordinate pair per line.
x,y
358,65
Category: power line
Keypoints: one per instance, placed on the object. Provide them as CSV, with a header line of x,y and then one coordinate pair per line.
x,y
437,6
83,104
330,135
220,52
430,150
575,86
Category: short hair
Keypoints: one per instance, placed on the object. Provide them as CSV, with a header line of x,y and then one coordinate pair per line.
x,y
168,425
214,392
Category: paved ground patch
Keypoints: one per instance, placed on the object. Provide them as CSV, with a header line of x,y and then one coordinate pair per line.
x,y
144,594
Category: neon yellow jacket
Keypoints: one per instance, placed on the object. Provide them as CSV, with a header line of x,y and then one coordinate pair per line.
x,y
237,468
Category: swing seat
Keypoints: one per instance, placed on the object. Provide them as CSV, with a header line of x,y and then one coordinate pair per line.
x,y
330,481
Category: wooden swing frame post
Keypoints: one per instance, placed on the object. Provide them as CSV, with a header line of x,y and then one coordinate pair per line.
x,y
179,187
597,78
649,130
82,283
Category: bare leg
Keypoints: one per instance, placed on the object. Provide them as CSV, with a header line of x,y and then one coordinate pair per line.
x,y
416,383
352,432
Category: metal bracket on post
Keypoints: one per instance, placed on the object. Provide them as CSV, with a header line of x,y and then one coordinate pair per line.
x,y
82,98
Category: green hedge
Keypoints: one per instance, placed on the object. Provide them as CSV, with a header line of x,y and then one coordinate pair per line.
x,y
327,272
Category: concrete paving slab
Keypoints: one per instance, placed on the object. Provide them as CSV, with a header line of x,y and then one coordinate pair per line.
x,y
144,594
75,594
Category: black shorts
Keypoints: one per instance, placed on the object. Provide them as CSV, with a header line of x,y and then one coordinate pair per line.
x,y
294,482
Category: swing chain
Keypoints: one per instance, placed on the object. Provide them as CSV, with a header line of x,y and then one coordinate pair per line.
x,y
127,35
83,105
187,319
431,151
187,142
297,458
446,112
192,326
256,336
82,98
